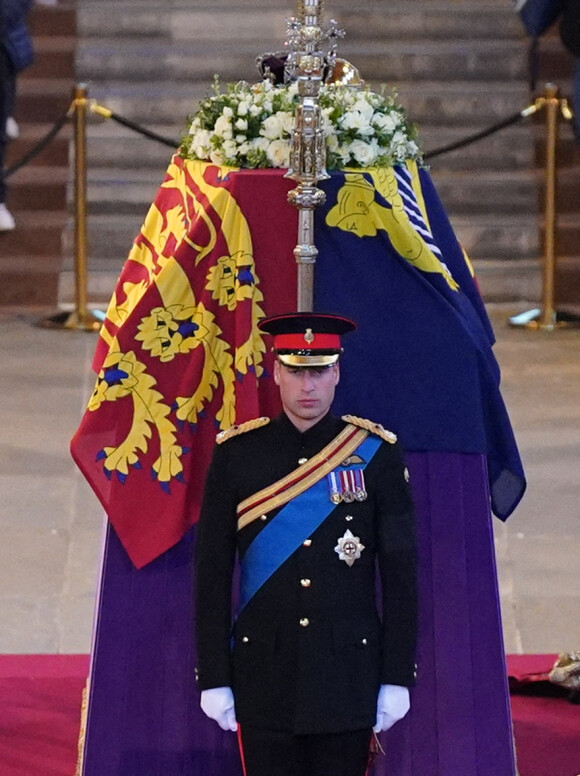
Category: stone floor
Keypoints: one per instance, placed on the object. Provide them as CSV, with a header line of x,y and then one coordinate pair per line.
x,y
52,524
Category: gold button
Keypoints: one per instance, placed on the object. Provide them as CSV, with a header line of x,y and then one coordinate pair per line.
x,y
307,542
305,622
305,582
302,461
245,639
264,517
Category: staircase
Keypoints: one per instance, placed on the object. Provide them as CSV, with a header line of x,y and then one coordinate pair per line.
x,y
31,256
457,65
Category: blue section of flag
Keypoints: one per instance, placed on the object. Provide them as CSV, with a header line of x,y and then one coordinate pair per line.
x,y
421,361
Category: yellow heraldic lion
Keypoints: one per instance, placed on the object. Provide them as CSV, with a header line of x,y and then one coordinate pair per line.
x,y
173,330
124,377
357,211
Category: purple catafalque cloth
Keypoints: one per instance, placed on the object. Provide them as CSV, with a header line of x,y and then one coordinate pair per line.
x,y
143,713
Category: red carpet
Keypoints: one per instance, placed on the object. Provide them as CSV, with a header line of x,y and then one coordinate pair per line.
x,y
546,725
40,698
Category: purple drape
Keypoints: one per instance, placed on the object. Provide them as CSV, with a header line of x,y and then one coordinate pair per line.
x,y
144,717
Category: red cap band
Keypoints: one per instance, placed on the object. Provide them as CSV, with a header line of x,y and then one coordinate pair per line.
x,y
310,341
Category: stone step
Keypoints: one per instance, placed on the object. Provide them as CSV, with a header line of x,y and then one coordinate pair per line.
x,y
458,68
198,60
54,55
38,188
31,255
508,281
493,236
508,149
122,190
113,145
484,191
258,21
55,153
56,20
43,100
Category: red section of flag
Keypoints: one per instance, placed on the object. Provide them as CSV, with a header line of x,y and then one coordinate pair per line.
x,y
176,359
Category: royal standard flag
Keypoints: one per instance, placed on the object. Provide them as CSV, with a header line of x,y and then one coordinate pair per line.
x,y
180,357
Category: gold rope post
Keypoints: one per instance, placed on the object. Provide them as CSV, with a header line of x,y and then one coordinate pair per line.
x,y
548,318
81,317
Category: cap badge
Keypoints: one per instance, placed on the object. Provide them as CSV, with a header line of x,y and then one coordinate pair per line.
x,y
349,548
308,336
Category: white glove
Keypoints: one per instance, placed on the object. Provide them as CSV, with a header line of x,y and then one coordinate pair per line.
x,y
392,705
218,704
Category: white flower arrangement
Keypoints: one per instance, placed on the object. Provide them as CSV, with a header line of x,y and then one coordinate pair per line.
x,y
250,126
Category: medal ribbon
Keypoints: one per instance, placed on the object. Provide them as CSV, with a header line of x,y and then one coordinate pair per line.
x,y
289,528
317,467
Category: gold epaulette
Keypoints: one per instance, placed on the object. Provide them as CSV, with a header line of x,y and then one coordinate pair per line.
x,y
374,428
241,428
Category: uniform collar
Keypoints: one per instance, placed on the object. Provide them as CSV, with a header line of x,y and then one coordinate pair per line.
x,y
322,432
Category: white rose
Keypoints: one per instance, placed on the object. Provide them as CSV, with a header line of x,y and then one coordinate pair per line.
x,y
255,109
223,127
364,153
287,121
272,127
364,108
217,156
227,111
241,124
355,120
332,142
388,123
260,143
194,126
399,139
278,153
243,108
200,143
412,148
229,148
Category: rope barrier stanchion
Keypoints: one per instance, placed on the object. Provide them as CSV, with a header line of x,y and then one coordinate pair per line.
x,y
81,317
547,318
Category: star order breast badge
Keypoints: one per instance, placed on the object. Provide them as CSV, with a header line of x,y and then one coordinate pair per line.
x,y
349,548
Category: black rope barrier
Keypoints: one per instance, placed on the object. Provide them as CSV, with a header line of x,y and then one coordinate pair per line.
x,y
106,113
477,136
109,114
40,146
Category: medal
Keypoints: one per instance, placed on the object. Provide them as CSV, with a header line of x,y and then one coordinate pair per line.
x,y
347,485
359,485
349,548
334,487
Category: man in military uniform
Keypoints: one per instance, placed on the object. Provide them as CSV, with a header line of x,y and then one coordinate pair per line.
x,y
314,663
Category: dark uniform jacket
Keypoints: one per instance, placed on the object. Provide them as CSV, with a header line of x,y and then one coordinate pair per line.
x,y
310,650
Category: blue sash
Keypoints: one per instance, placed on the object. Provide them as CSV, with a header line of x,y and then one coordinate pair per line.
x,y
290,527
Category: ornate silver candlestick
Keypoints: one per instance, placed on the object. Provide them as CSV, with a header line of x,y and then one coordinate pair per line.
x,y
306,64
